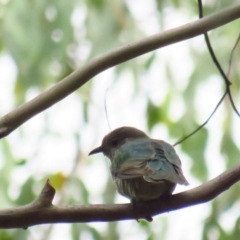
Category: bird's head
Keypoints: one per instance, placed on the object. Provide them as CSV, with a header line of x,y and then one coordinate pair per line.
x,y
116,138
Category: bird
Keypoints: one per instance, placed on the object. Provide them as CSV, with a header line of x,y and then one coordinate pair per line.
x,y
142,168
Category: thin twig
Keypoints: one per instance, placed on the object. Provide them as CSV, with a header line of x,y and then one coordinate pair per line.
x,y
106,111
225,77
231,55
214,58
210,49
202,125
233,104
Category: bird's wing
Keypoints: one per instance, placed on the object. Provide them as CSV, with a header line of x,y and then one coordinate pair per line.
x,y
155,160
171,164
130,159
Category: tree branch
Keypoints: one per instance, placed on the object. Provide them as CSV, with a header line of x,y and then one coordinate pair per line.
x,y
203,124
216,62
14,119
225,77
41,211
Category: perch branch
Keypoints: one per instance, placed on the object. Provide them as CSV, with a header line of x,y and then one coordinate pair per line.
x,y
17,117
41,211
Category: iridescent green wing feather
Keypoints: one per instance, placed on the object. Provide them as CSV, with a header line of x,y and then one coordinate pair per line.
x,y
130,159
154,160
165,150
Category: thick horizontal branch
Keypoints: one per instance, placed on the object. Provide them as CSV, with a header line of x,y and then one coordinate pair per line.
x,y
75,80
42,211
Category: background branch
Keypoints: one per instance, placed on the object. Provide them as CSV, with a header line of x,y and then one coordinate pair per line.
x,y
75,80
41,211
231,55
216,62
205,123
225,78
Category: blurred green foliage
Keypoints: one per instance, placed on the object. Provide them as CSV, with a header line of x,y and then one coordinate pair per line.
x,y
44,42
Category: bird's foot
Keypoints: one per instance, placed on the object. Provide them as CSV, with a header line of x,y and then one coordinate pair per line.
x,y
137,207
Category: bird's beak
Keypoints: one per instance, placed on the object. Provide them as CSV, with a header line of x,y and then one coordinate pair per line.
x,y
96,150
